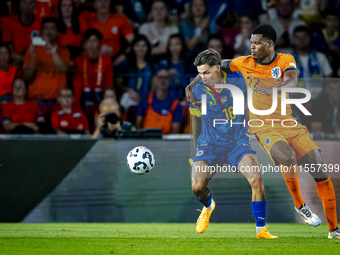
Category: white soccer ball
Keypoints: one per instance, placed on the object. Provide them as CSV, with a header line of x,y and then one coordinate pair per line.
x,y
140,160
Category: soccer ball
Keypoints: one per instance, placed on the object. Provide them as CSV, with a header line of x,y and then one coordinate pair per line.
x,y
140,160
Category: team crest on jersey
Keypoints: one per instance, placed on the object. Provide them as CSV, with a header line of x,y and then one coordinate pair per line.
x,y
199,153
276,72
114,30
268,140
224,99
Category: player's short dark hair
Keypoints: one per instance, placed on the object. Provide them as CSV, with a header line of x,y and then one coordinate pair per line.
x,y
66,88
208,57
48,20
267,31
302,29
331,11
94,32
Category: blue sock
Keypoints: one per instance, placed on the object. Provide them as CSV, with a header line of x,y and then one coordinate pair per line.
x,y
206,201
259,211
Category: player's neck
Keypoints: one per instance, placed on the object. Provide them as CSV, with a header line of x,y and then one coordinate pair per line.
x,y
103,16
19,99
268,58
67,110
161,94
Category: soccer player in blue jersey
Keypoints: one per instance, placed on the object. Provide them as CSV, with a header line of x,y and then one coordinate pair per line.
x,y
219,144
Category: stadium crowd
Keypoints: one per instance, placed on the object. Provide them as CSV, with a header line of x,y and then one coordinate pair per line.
x,y
65,63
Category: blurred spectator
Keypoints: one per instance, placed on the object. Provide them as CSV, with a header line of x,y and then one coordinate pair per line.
x,y
18,30
7,73
158,109
310,11
328,40
139,68
327,117
93,71
178,68
108,108
284,24
215,41
309,63
71,28
108,94
242,40
21,116
45,66
111,26
159,28
46,8
69,118
196,27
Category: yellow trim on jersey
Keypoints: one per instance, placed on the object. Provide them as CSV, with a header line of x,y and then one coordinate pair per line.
x,y
224,81
195,111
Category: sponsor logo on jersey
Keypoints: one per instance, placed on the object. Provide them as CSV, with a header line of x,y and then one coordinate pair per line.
x,y
199,153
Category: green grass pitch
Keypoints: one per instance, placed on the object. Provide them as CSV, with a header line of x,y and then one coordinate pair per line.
x,y
161,238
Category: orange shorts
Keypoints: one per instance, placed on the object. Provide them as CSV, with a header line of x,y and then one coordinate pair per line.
x,y
298,138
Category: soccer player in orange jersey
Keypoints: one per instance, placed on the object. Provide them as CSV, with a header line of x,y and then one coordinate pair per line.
x,y
264,70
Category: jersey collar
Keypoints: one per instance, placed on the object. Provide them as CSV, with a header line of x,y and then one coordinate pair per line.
x,y
270,62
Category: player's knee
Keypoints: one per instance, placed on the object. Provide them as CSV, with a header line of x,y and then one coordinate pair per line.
x,y
288,158
256,184
198,188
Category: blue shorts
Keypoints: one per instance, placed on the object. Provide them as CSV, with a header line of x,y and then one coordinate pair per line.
x,y
230,154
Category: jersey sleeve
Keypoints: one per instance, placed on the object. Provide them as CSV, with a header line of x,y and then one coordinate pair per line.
x,y
126,28
235,64
6,112
288,63
38,110
54,120
178,115
192,109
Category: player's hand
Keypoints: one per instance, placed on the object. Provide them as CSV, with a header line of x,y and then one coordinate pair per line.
x,y
31,50
50,49
101,120
32,126
191,98
263,90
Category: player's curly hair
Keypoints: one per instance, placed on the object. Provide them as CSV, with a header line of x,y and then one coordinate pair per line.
x,y
208,57
267,31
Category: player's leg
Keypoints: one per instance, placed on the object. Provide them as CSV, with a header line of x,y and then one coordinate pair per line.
x,y
325,188
200,177
249,167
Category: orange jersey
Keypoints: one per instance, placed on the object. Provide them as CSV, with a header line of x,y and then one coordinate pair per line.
x,y
46,8
115,27
21,36
265,75
71,39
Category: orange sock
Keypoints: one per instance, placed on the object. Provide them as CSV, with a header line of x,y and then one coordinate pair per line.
x,y
326,194
292,181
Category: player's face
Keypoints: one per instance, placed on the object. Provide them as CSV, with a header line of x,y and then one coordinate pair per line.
x,y
4,56
331,22
66,8
158,11
216,45
302,40
140,48
92,46
19,88
198,8
163,80
209,74
27,6
49,31
260,47
66,98
175,46
102,6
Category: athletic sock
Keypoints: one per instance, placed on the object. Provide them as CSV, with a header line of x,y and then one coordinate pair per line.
x,y
326,194
259,211
206,201
294,187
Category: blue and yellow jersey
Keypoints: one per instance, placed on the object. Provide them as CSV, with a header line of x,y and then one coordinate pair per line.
x,y
221,134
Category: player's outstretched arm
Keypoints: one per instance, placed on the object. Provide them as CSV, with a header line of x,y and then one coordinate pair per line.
x,y
188,91
196,128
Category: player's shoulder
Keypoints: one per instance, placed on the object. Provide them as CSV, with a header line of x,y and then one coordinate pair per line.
x,y
234,75
243,59
284,56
